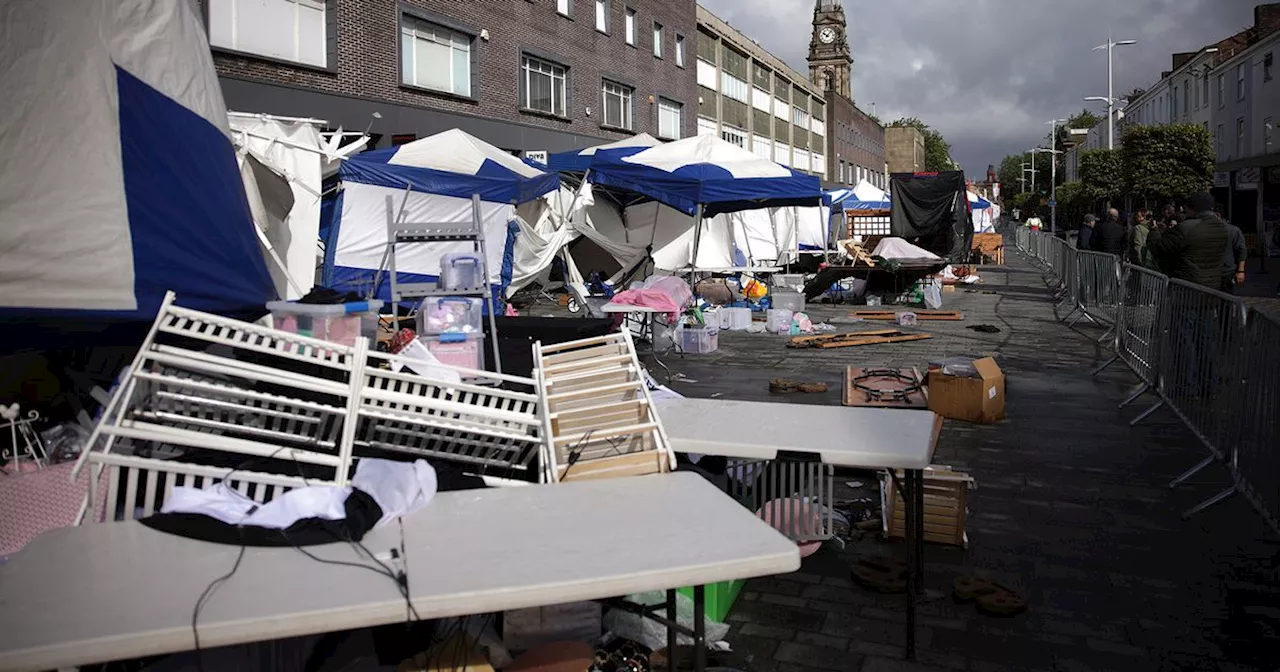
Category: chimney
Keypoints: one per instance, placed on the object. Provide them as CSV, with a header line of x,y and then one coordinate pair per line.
x,y
1266,19
1181,59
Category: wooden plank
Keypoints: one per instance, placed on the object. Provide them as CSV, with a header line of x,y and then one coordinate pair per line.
x,y
875,340
923,315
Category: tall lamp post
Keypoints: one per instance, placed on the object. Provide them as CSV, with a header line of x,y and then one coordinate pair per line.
x,y
1053,191
1111,96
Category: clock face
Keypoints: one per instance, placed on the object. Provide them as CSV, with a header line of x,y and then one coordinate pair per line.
x,y
828,35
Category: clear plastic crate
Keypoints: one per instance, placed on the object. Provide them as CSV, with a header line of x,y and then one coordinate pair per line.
x,y
697,339
342,323
465,351
785,300
451,314
461,270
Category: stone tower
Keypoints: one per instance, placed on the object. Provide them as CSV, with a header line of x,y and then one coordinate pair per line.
x,y
830,65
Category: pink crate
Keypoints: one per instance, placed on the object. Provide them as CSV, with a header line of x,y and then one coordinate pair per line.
x,y
466,354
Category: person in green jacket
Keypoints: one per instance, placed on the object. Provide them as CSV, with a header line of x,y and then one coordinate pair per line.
x,y
1139,255
1192,250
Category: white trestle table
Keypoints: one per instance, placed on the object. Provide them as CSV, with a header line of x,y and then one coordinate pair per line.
x,y
120,590
844,436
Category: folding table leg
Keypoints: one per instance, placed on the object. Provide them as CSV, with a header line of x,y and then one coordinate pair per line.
x,y
699,628
672,640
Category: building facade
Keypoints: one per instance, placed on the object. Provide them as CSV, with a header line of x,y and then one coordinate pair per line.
x,y
904,149
752,99
529,76
1247,104
856,141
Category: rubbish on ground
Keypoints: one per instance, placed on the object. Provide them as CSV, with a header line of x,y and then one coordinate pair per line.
x,y
952,275
946,496
784,386
823,327
933,295
973,392
854,484
907,319
855,338
873,299
898,388
756,328
653,634
990,597
984,328
881,574
922,315
813,388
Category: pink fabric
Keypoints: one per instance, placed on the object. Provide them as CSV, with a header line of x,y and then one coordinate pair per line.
x,y
672,286
34,502
649,298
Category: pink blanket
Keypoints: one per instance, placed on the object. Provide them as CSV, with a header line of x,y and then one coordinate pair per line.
x,y
650,298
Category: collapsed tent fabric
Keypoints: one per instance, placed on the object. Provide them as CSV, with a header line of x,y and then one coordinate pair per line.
x,y
580,160
709,172
433,179
931,210
120,181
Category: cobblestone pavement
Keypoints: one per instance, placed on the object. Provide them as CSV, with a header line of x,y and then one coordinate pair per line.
x,y
1072,508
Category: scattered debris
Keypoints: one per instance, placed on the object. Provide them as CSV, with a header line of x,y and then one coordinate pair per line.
x,y
855,338
922,315
784,386
854,484
946,497
984,328
883,575
990,597
885,387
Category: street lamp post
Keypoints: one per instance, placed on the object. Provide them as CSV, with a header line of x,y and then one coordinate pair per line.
x,y
1111,97
1053,191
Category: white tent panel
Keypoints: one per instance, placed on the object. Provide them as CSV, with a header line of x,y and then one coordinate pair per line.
x,y
362,238
810,226
672,234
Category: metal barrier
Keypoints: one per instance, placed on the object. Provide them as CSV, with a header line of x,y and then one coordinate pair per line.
x,y
1099,285
1142,294
1258,454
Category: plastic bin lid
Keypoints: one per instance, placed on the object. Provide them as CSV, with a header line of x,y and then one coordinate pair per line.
x,y
325,309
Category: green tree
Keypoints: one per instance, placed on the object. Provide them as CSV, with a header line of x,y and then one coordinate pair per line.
x,y
937,151
1161,163
1101,175
1010,172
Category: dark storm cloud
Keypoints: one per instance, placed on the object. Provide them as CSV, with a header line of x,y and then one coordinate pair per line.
x,y
990,74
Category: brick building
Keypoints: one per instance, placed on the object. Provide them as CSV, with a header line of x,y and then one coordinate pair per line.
x,y
905,149
855,141
528,76
752,99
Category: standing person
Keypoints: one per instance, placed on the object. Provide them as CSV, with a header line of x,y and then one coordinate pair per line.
x,y
1169,216
1110,236
1233,260
1138,253
1085,239
1034,223
1192,250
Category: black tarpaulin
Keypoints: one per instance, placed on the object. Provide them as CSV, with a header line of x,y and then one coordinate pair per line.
x,y
931,210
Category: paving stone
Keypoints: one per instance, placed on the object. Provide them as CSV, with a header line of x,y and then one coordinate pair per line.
x,y
784,600
758,651
824,641
895,665
819,657
769,631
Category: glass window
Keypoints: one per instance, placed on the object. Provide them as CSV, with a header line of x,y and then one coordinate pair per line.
x,y
1240,138
631,26
602,15
290,30
733,87
680,50
1186,97
434,57
1266,68
544,86
657,39
1267,129
1204,89
1221,95
706,126
670,119
617,105
1240,81
734,136
563,7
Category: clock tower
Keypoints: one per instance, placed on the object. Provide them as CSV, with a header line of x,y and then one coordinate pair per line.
x,y
830,65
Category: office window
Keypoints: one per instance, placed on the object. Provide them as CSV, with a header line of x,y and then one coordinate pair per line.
x,y
290,30
1266,68
734,136
1239,138
657,39
602,16
1267,128
800,118
706,74
434,57
733,87
630,26
618,104
563,6
706,126
680,50
762,147
542,86
670,119
1240,81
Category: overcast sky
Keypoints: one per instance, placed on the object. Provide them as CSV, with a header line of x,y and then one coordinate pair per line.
x,y
990,74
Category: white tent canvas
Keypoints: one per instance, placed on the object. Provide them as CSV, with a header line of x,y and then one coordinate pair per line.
x,y
738,240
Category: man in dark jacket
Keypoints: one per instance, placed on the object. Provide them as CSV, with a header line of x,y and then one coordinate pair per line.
x,y
1084,239
1192,250
1110,236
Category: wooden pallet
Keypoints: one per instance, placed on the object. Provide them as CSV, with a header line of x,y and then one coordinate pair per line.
x,y
855,338
922,315
946,497
857,397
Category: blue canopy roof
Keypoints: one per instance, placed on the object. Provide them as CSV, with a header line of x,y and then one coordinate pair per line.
x,y
706,171
451,163
579,160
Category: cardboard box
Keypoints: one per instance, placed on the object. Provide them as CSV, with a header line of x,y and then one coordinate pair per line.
x,y
979,399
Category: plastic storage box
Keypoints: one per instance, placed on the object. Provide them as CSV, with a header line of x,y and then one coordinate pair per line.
x,y
451,314
460,270
461,350
785,300
793,282
697,339
337,323
734,319
778,321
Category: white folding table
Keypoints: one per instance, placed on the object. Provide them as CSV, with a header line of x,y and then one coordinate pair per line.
x,y
114,591
869,438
